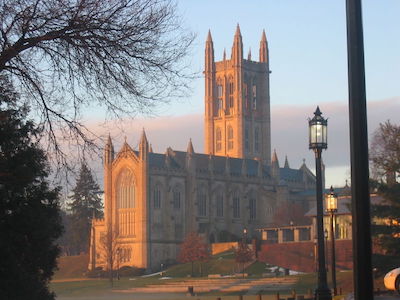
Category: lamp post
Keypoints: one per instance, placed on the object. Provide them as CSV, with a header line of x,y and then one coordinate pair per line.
x,y
317,142
331,208
244,236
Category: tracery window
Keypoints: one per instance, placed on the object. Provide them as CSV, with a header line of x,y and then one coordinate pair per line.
x,y
231,91
254,97
218,135
176,198
201,204
126,190
253,208
246,138
230,138
236,206
125,194
157,197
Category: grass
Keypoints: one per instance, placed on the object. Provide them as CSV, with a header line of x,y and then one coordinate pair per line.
x,y
72,267
223,263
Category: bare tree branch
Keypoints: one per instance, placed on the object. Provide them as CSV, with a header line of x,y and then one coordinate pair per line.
x,y
64,55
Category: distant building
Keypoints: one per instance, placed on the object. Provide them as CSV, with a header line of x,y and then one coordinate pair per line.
x,y
153,200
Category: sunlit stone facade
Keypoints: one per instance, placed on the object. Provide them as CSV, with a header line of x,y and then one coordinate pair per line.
x,y
153,200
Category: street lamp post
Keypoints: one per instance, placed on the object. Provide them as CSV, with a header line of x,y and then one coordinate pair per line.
x,y
331,208
318,142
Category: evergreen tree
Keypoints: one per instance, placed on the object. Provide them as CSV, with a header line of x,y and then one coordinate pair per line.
x,y
85,204
29,209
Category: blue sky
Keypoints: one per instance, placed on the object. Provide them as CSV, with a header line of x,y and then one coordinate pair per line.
x,y
308,59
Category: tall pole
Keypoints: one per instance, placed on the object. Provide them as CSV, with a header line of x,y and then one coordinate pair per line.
x,y
361,219
333,267
322,291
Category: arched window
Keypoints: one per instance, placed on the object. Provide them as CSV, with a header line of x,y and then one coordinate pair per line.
x,y
230,138
246,138
218,142
126,190
231,91
236,206
254,96
157,197
176,198
202,204
125,194
220,205
219,100
252,207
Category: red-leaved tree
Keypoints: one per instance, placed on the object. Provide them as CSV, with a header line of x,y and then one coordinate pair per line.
x,y
243,254
193,249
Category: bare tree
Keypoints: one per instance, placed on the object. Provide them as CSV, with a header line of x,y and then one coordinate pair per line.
x,y
109,251
385,151
243,254
64,55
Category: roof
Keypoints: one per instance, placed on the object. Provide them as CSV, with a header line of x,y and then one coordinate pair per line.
x,y
177,160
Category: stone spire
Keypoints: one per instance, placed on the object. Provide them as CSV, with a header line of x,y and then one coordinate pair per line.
x,y
190,149
274,160
143,145
151,149
275,166
237,48
286,163
108,151
249,54
263,48
224,55
209,63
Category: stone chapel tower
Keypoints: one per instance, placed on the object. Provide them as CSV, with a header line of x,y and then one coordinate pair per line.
x,y
237,102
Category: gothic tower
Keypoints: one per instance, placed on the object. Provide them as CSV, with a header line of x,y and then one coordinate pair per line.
x,y
237,102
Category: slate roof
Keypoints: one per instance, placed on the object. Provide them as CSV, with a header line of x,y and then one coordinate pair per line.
x,y
177,160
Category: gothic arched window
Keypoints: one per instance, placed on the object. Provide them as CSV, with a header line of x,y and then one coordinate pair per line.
x,y
126,190
230,137
157,197
202,204
176,198
252,207
231,91
254,96
125,194
218,136
236,205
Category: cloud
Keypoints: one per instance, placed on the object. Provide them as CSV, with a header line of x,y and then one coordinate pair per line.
x,y
289,132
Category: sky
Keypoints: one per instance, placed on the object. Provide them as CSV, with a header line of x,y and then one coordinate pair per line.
x,y
308,60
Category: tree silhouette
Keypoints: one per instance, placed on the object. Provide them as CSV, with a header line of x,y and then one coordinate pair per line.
x,y
123,55
30,221
84,206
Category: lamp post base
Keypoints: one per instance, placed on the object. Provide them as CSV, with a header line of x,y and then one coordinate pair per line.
x,y
322,294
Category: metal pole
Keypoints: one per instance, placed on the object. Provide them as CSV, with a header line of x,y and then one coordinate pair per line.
x,y
322,291
361,219
333,267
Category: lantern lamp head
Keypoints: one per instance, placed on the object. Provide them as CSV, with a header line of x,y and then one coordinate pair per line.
x,y
318,126
331,201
